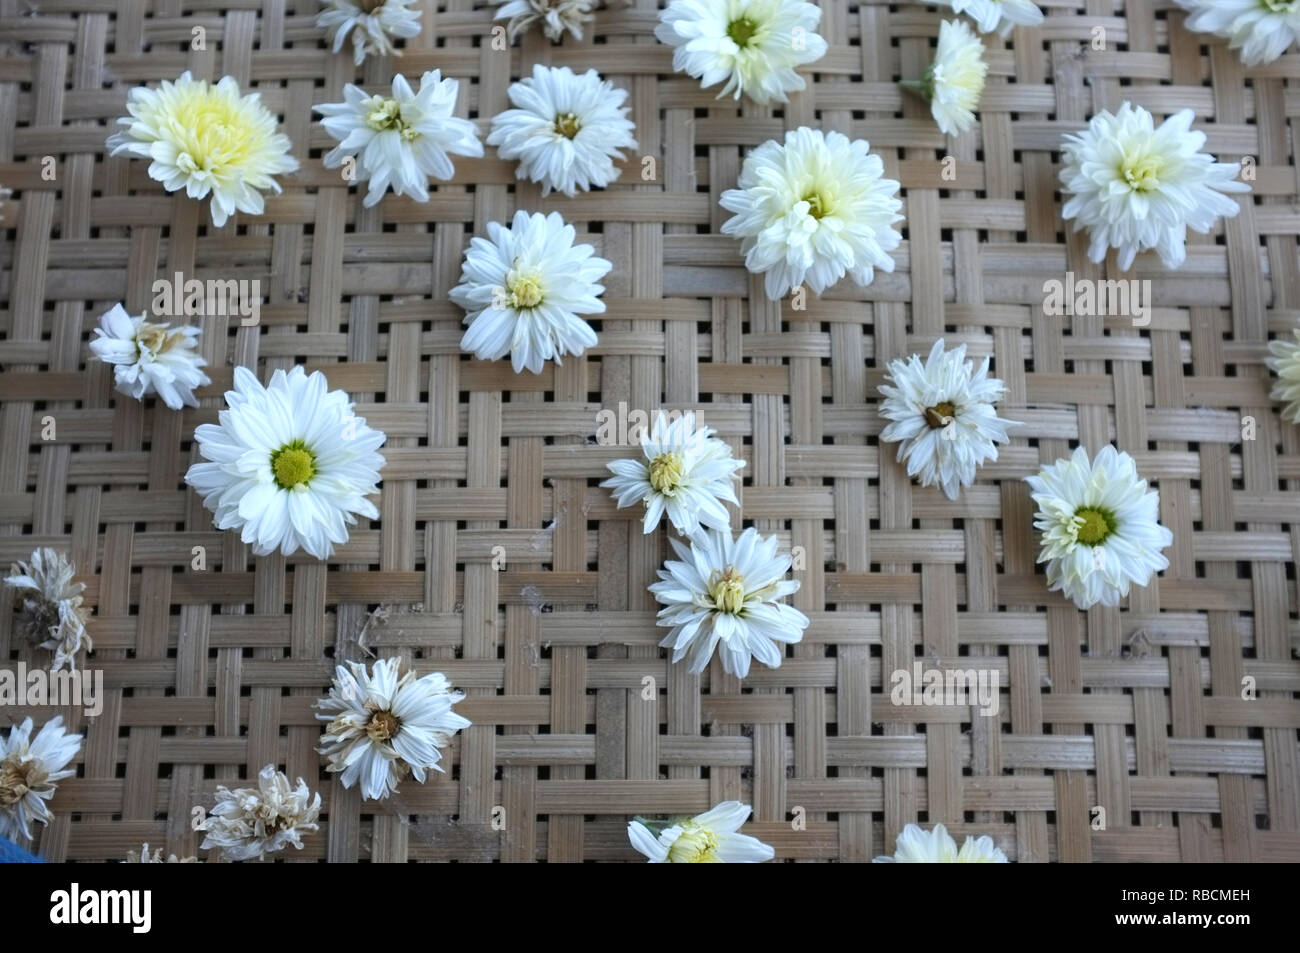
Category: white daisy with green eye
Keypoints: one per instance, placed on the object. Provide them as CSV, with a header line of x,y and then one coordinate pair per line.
x,y
1100,527
290,465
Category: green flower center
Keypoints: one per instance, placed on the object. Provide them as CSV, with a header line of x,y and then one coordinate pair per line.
x,y
524,289
1278,6
567,125
818,206
384,115
940,415
666,472
293,465
1097,525
742,31
727,590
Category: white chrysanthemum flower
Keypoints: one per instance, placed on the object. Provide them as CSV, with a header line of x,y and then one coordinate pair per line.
x,y
941,414
52,613
813,209
1100,526
382,727
291,464
1284,360
373,25
400,140
722,594
145,856
687,473
206,139
30,770
251,822
150,358
555,16
523,288
708,838
916,846
1261,29
565,130
754,45
1001,15
1136,187
955,80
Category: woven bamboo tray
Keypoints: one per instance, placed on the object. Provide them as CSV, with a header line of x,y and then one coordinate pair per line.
x,y
212,673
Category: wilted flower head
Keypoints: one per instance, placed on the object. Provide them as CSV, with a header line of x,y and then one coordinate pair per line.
x,y
156,857
555,16
248,823
30,770
52,613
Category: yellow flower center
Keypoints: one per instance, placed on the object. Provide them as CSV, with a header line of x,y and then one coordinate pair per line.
x,y
666,472
567,125
940,415
818,205
1142,173
1096,526
152,339
384,115
742,31
696,845
13,779
727,590
524,289
382,726
293,465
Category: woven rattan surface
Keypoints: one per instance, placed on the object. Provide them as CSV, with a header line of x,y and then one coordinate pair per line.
x,y
211,673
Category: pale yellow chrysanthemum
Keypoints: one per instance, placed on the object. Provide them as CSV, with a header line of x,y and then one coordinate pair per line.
x,y
1284,359
206,139
955,80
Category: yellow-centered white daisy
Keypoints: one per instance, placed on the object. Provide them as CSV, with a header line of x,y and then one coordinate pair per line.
x,y
150,358
1001,15
1262,30
918,846
399,140
382,726
290,464
942,415
556,17
1136,187
1284,359
52,614
721,593
813,209
372,24
566,130
247,823
754,45
523,288
207,140
709,838
30,772
955,80
1100,526
686,473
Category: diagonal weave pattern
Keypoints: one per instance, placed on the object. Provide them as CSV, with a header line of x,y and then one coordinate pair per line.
x,y
211,673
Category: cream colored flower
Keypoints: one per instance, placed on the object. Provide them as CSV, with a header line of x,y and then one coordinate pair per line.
x,y
955,80
30,770
52,613
1284,359
382,727
156,857
555,16
206,139
916,846
250,822
1135,186
373,25
708,838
